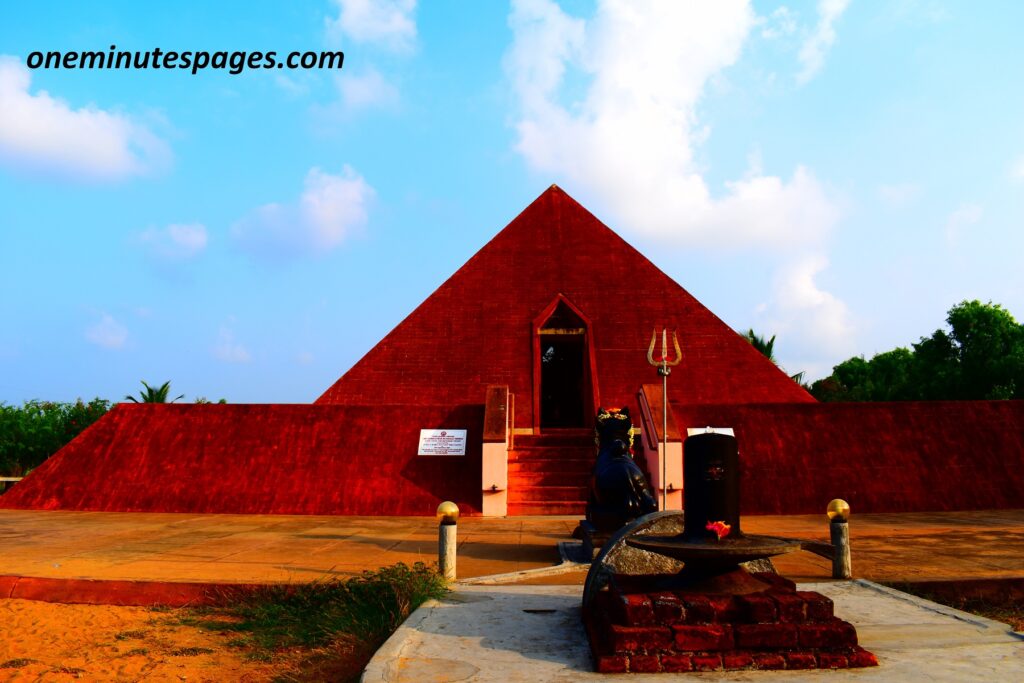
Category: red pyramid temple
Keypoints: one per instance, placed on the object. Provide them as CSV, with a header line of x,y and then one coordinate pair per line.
x,y
548,321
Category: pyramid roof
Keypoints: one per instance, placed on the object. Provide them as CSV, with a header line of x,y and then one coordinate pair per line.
x,y
475,329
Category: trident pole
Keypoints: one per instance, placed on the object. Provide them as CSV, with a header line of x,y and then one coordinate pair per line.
x,y
664,425
664,369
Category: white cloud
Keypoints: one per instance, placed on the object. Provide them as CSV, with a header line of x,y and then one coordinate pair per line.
x,y
39,132
305,358
228,349
330,209
176,242
107,333
781,23
1017,170
820,41
815,324
631,137
368,89
387,23
900,194
963,218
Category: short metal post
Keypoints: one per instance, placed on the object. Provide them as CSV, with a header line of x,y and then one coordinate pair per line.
x,y
446,545
841,565
447,539
838,512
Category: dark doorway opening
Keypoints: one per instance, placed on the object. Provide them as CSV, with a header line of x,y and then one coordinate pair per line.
x,y
562,373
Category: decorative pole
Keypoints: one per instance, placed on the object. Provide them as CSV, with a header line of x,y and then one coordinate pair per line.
x,y
838,512
447,518
664,366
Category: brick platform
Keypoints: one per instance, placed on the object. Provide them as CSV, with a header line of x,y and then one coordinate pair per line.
x,y
677,631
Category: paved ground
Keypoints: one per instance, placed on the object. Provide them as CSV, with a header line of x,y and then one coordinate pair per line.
x,y
271,548
484,634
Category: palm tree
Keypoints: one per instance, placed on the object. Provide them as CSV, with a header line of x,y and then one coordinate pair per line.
x,y
767,349
154,394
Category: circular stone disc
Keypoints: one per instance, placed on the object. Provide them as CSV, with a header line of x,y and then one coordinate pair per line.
x,y
743,549
616,557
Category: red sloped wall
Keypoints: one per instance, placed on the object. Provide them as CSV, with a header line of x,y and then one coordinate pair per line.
x,y
879,457
475,329
284,459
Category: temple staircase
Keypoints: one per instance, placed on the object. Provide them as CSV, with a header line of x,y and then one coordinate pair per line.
x,y
549,473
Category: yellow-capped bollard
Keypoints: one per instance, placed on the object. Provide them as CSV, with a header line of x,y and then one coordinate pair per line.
x,y
447,541
838,512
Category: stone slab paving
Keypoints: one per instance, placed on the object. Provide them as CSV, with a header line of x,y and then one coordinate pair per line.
x,y
281,548
534,633
258,548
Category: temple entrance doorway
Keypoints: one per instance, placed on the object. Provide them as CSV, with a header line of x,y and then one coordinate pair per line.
x,y
561,380
563,391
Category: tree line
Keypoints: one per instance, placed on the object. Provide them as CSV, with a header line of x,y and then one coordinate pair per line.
x,y
979,356
35,430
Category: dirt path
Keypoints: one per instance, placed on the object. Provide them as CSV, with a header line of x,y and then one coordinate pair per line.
x,y
42,641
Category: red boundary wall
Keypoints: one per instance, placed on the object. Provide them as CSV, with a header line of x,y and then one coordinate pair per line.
x,y
880,457
256,459
360,460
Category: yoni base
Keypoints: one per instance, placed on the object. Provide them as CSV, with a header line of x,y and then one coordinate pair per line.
x,y
680,630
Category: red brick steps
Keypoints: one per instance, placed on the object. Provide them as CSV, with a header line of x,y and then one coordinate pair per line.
x,y
549,473
547,507
547,493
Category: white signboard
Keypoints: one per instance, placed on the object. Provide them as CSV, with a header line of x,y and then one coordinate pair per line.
x,y
693,431
442,442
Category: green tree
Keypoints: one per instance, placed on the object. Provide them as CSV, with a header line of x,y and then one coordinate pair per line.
x,y
765,346
980,356
154,394
767,349
31,433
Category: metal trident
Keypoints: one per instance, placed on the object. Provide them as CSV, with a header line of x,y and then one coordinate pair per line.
x,y
664,366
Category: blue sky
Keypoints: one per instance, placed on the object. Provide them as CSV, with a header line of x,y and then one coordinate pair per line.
x,y
836,173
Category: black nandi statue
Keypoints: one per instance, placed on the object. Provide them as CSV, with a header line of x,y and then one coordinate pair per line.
x,y
619,492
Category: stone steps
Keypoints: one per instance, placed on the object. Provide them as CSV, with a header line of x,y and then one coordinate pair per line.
x,y
548,507
549,473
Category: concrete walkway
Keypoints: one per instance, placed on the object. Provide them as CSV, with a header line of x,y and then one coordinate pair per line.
x,y
486,634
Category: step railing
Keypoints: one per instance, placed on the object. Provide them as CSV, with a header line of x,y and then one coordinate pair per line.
x,y
498,412
649,443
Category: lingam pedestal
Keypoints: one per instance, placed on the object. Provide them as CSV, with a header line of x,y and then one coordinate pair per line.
x,y
714,614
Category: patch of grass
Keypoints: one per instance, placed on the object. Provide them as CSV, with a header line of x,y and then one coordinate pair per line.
x,y
259,656
16,663
190,651
130,635
337,625
1009,610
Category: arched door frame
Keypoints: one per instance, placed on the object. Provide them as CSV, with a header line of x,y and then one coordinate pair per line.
x,y
590,370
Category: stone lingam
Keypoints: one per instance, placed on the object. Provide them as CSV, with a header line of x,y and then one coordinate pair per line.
x,y
712,544
714,614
